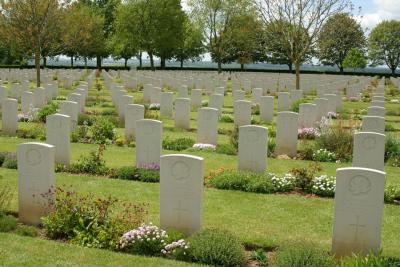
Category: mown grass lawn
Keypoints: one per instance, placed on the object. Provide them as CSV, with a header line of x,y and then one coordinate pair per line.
x,y
257,219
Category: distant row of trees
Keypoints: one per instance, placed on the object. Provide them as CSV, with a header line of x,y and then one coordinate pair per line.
x,y
290,32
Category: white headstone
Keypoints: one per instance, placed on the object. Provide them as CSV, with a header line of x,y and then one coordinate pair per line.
x,y
253,148
207,126
133,113
182,113
287,134
71,109
181,193
267,108
9,116
196,98
358,211
307,115
373,124
58,134
369,150
283,101
148,142
35,178
167,104
242,112
376,111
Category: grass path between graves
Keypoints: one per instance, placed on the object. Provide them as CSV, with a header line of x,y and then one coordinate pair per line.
x,y
125,156
32,252
258,219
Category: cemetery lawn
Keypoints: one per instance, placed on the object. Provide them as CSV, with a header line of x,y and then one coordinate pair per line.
x,y
32,252
257,219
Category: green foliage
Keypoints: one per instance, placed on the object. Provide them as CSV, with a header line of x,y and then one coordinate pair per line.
x,y
392,148
338,141
7,223
85,119
178,144
227,149
304,177
370,260
234,138
102,131
323,155
36,131
339,35
136,174
90,221
392,194
271,146
26,230
384,44
226,118
10,161
389,128
216,247
92,164
355,59
303,254
3,156
260,257
46,111
5,199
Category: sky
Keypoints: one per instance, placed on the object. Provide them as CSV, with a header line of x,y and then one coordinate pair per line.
x,y
374,11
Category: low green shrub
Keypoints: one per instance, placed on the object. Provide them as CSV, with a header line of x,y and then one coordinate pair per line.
x,y
226,118
10,161
216,247
3,156
392,194
91,164
91,221
178,144
226,149
389,128
234,138
26,230
85,119
323,155
304,177
260,257
5,199
37,131
336,140
271,146
7,223
296,105
124,173
392,147
301,255
46,111
137,174
102,131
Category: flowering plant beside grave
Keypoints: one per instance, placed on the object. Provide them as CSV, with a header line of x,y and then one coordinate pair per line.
x,y
308,133
150,240
324,185
149,166
283,183
154,106
201,146
324,155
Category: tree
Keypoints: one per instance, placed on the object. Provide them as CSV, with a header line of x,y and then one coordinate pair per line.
x,y
191,46
275,52
305,18
384,44
338,36
107,9
243,39
355,59
32,24
214,17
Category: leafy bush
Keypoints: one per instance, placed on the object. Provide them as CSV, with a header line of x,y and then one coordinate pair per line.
x,y
92,164
392,147
226,118
26,230
370,260
37,131
10,161
234,138
46,111
260,257
120,141
216,247
124,173
3,156
7,223
137,174
323,155
85,119
302,254
226,149
338,141
392,194
152,241
304,177
271,147
102,131
178,144
90,221
389,128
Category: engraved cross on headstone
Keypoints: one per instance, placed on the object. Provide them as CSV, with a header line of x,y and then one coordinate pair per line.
x,y
357,226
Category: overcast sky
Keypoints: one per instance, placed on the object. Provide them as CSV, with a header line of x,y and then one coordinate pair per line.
x,y
374,11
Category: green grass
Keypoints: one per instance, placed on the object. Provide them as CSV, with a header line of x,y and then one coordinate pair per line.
x,y
267,220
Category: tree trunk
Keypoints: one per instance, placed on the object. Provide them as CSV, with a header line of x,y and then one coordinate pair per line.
x,y
241,66
85,59
140,60
219,66
290,67
98,62
341,69
72,61
162,63
126,62
393,70
44,62
151,61
181,63
37,66
297,65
